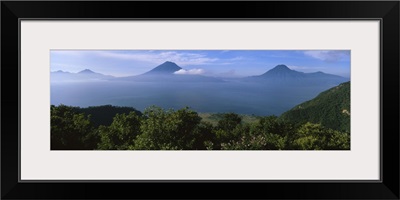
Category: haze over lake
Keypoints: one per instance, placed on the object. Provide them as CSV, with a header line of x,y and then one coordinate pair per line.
x,y
244,82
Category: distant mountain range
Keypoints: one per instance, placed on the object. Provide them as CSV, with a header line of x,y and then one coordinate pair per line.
x,y
166,72
84,75
272,92
282,75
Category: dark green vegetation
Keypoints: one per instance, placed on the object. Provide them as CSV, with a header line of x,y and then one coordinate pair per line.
x,y
330,108
103,115
213,118
74,128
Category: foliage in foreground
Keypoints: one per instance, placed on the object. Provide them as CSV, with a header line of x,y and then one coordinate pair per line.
x,y
184,129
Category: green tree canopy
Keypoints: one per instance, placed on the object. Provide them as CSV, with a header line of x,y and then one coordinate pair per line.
x,y
121,133
168,129
69,130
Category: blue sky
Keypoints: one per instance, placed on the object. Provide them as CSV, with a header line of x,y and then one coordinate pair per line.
x,y
222,63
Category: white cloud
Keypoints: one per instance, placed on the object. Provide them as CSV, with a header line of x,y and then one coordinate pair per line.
x,y
155,57
190,71
181,59
237,58
329,56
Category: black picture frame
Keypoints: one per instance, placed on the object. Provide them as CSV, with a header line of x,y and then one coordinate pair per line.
x,y
386,11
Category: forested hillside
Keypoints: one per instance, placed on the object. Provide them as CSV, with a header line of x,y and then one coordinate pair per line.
x,y
331,108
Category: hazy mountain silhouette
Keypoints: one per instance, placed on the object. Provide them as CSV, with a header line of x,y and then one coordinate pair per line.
x,y
84,75
282,72
167,68
86,71
166,73
282,75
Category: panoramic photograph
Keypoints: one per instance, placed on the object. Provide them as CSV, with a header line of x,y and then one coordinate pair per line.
x,y
200,99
